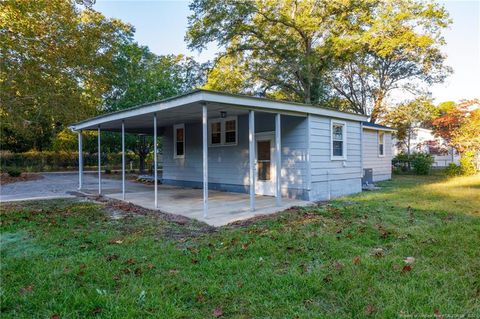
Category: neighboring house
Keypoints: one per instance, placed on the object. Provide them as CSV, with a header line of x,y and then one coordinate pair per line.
x,y
236,143
377,152
424,141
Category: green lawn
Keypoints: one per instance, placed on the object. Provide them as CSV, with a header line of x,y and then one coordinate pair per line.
x,y
70,259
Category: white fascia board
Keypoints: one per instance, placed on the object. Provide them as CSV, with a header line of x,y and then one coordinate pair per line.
x,y
379,129
286,107
147,109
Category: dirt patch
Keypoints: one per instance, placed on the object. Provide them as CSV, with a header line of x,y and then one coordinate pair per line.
x,y
24,177
174,226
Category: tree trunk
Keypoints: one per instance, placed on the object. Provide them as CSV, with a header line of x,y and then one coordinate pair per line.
x,y
377,108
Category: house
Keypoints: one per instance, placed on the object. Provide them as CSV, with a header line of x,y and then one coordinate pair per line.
x,y
422,140
377,152
288,153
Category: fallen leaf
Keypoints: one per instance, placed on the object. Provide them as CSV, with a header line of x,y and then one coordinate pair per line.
x,y
356,260
438,315
338,265
369,309
173,271
138,271
115,241
26,289
244,246
150,266
200,297
327,278
111,257
217,312
406,268
409,260
55,316
130,261
378,252
97,311
194,261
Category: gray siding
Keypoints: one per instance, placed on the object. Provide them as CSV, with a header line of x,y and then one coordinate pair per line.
x,y
333,178
382,166
228,165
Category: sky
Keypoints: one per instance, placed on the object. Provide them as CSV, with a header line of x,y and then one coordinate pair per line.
x,y
161,25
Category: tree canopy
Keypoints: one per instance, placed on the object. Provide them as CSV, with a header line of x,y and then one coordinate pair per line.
x,y
356,52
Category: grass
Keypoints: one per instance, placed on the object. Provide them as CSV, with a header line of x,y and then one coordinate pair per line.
x,y
69,258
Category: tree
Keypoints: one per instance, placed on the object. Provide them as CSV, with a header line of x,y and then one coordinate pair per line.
x,y
282,47
141,76
55,67
408,116
467,136
449,120
306,51
396,45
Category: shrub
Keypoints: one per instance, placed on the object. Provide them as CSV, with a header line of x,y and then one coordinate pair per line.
x,y
467,164
453,170
14,172
422,163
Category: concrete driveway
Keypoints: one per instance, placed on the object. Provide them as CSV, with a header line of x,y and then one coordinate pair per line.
x,y
58,185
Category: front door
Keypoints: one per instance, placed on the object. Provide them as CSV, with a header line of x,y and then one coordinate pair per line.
x,y
265,168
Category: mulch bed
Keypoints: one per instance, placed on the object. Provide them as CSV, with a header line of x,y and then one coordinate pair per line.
x,y
24,177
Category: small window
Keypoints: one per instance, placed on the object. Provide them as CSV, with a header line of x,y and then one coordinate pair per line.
x,y
231,131
223,132
179,141
338,140
216,133
381,144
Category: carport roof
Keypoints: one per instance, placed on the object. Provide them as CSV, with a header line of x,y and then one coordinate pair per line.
x,y
187,107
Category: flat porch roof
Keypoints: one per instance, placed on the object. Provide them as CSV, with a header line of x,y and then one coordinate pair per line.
x,y
223,207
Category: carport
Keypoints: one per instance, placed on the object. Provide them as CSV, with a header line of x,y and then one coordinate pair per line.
x,y
212,206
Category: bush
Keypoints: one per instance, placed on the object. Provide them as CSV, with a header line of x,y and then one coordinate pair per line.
x,y
453,170
467,164
422,163
14,172
419,162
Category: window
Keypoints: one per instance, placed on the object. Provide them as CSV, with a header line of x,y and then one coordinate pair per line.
x,y
216,133
179,141
381,144
231,131
338,140
223,132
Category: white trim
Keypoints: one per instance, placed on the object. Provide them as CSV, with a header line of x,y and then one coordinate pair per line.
x,y
251,157
344,140
378,143
204,159
175,127
222,131
248,102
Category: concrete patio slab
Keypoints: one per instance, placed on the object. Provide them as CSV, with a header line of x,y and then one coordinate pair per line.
x,y
223,207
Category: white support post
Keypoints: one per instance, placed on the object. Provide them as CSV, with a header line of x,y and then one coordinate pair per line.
x,y
278,160
123,160
205,160
251,155
155,173
99,154
80,161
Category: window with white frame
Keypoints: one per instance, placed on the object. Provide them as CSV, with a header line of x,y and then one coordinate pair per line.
x,y
338,140
179,141
381,143
223,131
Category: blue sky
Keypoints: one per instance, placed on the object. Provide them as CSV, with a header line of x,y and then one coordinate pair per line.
x,y
161,25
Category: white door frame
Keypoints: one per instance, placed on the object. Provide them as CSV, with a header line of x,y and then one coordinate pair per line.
x,y
266,188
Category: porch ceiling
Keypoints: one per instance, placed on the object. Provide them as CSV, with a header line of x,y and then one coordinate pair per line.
x,y
189,113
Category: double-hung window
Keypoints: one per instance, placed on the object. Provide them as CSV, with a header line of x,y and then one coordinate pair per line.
x,y
381,144
223,131
338,140
179,141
